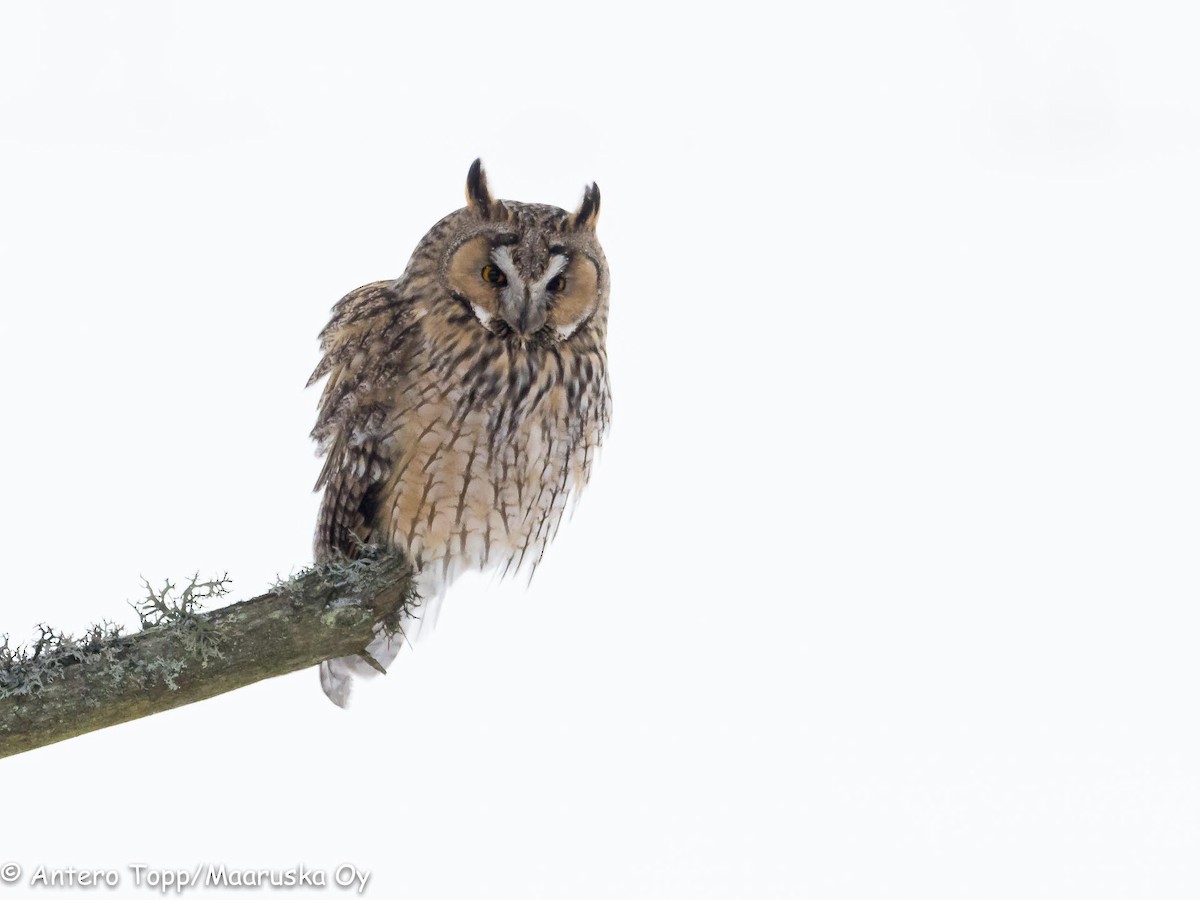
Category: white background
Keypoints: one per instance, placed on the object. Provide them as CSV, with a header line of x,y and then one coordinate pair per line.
x,y
886,582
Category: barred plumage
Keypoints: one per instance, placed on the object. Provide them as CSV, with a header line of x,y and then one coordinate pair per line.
x,y
466,400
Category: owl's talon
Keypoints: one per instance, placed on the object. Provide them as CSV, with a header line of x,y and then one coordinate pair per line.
x,y
371,661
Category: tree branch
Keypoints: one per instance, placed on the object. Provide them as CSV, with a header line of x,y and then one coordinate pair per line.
x,y
62,687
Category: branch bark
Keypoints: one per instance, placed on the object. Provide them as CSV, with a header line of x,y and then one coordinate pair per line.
x,y
325,612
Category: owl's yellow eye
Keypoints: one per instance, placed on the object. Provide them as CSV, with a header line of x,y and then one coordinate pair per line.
x,y
492,275
556,284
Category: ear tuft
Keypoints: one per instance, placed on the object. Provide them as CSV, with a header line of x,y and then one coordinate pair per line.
x,y
589,209
478,197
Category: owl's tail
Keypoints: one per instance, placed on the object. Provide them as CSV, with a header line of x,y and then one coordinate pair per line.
x,y
336,681
337,675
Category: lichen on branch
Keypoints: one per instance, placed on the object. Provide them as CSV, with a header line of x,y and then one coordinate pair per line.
x,y
60,685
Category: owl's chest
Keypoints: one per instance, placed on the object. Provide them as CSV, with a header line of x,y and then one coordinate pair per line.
x,y
482,477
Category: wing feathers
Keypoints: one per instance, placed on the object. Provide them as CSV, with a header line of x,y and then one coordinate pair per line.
x,y
365,360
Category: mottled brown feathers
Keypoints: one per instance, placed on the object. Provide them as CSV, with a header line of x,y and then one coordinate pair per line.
x,y
459,415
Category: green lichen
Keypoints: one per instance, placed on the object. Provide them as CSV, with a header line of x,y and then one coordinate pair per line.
x,y
372,571
180,615
26,669
174,611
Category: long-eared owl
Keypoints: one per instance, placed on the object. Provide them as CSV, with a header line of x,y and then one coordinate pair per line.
x,y
465,400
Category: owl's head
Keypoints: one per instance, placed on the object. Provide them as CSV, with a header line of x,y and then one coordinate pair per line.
x,y
529,273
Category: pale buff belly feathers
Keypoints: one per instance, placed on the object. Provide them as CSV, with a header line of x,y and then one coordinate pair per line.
x,y
480,484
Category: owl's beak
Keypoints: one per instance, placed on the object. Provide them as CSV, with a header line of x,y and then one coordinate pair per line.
x,y
524,317
530,319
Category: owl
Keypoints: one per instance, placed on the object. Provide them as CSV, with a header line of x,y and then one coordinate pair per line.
x,y
465,401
